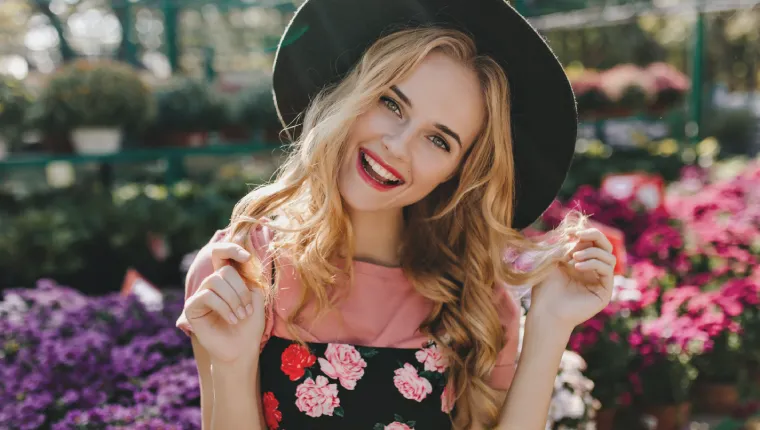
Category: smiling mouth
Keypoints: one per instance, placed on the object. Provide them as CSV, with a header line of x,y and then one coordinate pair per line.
x,y
378,173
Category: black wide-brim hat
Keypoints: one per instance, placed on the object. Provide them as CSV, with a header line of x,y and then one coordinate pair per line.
x,y
326,38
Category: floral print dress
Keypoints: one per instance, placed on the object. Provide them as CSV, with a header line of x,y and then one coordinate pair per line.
x,y
341,386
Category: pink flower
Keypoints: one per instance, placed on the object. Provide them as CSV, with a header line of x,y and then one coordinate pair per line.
x,y
343,362
317,398
432,358
397,426
410,384
447,402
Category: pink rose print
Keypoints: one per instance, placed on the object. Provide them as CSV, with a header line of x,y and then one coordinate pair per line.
x,y
343,362
433,359
410,384
317,398
397,426
447,403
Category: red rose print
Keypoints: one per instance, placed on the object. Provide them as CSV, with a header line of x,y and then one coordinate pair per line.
x,y
271,414
295,359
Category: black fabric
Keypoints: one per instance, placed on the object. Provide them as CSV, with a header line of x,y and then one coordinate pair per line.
x,y
374,402
326,38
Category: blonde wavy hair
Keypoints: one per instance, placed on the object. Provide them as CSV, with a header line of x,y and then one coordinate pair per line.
x,y
455,238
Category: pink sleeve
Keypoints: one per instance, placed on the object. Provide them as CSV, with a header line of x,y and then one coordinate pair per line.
x,y
506,363
202,267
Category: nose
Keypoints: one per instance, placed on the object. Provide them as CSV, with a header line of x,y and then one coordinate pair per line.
x,y
397,144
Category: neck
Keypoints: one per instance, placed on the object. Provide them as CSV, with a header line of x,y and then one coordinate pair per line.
x,y
377,236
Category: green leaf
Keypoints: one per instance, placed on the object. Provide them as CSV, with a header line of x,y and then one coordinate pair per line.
x,y
339,411
411,423
398,418
307,373
367,352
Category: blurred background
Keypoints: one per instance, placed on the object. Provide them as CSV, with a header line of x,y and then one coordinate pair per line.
x,y
129,129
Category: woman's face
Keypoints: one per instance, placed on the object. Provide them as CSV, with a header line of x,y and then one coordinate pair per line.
x,y
414,138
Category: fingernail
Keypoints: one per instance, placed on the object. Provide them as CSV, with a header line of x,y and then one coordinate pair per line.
x,y
240,312
243,253
233,319
249,308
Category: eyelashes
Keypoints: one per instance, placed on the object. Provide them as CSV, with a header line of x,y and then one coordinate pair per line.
x,y
393,106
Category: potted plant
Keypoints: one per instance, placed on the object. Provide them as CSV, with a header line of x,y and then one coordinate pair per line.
x,y
628,88
601,342
97,102
14,103
730,316
255,109
662,374
187,110
587,85
671,86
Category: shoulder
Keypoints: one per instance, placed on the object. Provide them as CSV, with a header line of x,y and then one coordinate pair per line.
x,y
510,313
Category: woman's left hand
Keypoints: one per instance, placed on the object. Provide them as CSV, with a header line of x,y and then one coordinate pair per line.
x,y
582,286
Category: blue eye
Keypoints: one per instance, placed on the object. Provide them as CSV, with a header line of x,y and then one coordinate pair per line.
x,y
391,105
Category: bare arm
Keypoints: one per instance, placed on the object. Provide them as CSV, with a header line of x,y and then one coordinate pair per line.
x,y
203,362
527,404
237,403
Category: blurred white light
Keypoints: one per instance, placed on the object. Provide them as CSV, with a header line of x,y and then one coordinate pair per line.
x,y
158,64
41,38
93,31
14,65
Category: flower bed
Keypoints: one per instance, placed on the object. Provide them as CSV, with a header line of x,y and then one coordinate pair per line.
x,y
69,361
684,319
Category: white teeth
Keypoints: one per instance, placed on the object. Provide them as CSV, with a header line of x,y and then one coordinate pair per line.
x,y
380,170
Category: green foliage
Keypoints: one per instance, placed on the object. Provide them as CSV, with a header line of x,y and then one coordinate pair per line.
x,y
189,105
14,102
254,107
96,94
88,236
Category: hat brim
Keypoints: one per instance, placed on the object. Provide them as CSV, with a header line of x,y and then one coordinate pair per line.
x,y
326,38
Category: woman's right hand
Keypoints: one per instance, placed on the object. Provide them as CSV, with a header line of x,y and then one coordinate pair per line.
x,y
226,316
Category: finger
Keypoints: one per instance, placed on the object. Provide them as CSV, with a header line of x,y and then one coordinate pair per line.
x,y
603,269
222,252
210,299
596,253
224,290
597,237
233,279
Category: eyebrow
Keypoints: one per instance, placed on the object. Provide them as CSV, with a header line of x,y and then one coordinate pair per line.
x,y
441,127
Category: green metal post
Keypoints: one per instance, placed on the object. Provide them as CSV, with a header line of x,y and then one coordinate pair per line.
x,y
127,33
171,26
697,93
208,63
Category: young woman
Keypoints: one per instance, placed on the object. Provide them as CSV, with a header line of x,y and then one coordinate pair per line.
x,y
371,285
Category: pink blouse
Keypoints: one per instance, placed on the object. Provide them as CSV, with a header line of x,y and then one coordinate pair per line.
x,y
382,309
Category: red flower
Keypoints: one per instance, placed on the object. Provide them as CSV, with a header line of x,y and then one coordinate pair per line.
x,y
271,414
295,359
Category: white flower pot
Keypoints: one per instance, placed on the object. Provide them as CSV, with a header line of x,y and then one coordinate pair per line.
x,y
96,140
